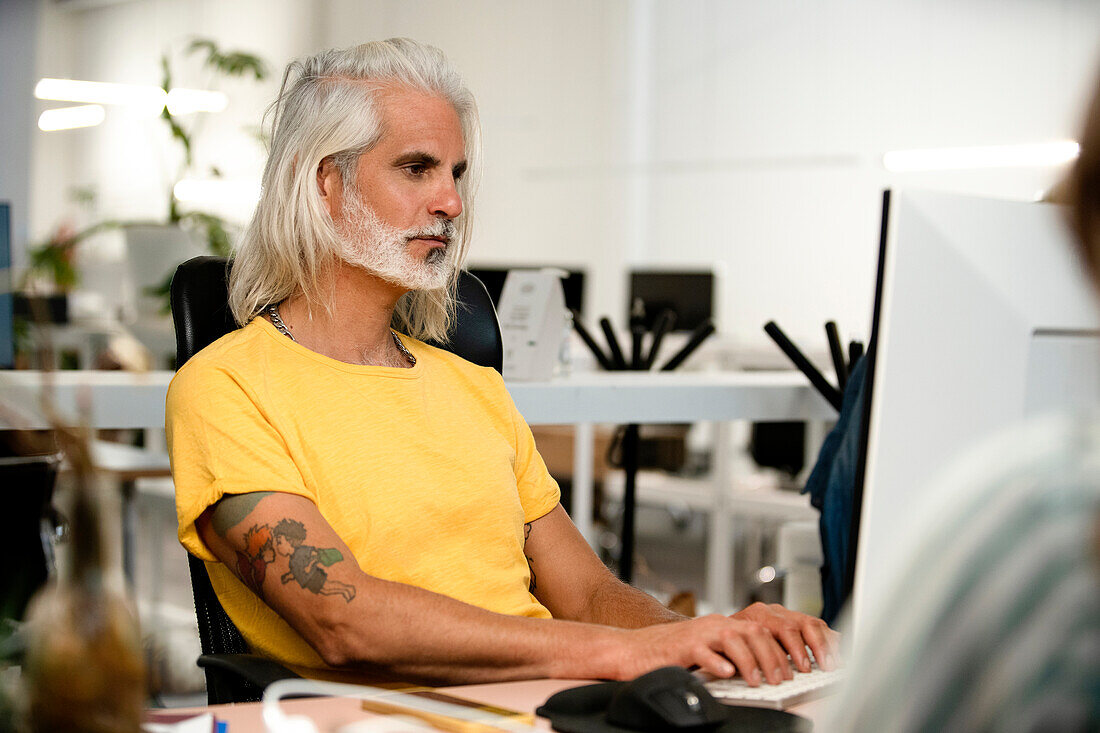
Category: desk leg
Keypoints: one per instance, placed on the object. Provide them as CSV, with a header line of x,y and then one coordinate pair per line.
x,y
720,532
584,438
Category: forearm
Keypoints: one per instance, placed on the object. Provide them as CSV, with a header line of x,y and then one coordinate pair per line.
x,y
575,585
410,633
277,545
614,603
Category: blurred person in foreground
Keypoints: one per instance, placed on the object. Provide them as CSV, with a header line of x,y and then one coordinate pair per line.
x,y
368,506
996,626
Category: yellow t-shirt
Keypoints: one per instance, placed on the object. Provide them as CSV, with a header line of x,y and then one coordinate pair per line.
x,y
427,473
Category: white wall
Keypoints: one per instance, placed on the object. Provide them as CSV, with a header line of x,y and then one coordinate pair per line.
x,y
747,135
131,160
769,121
18,21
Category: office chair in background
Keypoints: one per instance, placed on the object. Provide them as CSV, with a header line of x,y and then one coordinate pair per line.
x,y
28,482
200,313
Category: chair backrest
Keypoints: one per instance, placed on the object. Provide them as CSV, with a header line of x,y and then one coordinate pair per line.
x,y
28,483
200,313
200,305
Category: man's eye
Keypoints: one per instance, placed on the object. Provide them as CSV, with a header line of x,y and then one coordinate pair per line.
x,y
417,169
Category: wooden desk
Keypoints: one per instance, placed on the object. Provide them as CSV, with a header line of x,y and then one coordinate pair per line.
x,y
330,713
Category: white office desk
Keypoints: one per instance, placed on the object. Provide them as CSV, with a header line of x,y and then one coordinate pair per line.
x,y
128,400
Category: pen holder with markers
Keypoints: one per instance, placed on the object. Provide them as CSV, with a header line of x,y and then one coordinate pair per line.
x,y
641,359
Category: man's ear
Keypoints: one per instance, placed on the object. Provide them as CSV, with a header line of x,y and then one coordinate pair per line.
x,y
330,185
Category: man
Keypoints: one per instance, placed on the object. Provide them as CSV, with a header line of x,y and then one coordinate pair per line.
x,y
410,465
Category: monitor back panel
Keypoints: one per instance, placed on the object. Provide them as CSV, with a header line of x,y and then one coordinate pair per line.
x,y
984,317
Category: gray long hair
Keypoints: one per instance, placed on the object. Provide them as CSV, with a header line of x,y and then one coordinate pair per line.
x,y
324,109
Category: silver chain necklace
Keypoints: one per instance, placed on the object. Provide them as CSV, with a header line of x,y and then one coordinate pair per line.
x,y
273,311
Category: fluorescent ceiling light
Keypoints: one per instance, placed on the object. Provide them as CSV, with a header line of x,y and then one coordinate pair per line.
x,y
67,118
186,101
215,192
1033,155
145,98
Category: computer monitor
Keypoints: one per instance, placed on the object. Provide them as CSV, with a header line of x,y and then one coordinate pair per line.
x,y
983,316
493,277
688,293
7,329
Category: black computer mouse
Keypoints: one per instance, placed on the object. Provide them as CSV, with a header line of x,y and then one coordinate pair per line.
x,y
666,699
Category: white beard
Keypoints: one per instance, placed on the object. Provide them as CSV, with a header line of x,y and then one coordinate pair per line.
x,y
383,250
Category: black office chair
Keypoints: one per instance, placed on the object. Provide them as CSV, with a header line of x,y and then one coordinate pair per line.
x,y
28,485
200,312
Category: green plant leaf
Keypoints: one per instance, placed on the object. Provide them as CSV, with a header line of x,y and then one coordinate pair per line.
x,y
180,134
229,63
218,241
165,73
53,259
163,291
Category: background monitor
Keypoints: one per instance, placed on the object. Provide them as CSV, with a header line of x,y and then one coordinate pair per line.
x,y
689,293
493,277
983,316
7,330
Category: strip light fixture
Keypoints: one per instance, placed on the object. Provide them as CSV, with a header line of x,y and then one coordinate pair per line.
x,y
147,98
186,101
144,98
68,118
1030,155
239,194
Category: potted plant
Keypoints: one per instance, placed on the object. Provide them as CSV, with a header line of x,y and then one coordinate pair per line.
x,y
210,232
155,248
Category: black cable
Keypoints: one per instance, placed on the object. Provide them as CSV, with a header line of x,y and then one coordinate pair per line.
x,y
837,352
613,344
664,324
855,350
590,342
630,478
637,333
698,336
828,391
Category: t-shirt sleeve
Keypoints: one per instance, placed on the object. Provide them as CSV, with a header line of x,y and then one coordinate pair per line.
x,y
538,491
221,441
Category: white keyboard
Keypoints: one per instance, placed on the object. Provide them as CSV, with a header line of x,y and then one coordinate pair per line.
x,y
805,686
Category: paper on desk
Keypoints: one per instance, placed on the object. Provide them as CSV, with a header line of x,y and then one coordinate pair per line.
x,y
167,722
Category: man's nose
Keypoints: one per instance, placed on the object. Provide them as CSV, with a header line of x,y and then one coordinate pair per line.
x,y
447,203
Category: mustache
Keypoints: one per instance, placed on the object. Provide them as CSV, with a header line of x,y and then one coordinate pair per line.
x,y
444,228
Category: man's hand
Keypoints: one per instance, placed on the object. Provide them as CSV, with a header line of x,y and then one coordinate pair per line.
x,y
720,645
796,631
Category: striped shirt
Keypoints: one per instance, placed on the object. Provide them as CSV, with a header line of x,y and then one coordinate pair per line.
x,y
995,626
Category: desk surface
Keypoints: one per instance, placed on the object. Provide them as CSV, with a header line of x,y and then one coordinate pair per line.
x,y
330,713
136,400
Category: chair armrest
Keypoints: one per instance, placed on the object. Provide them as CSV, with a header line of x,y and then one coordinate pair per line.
x,y
240,677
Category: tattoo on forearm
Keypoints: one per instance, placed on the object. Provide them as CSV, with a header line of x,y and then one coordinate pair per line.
x,y
530,561
307,563
233,509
